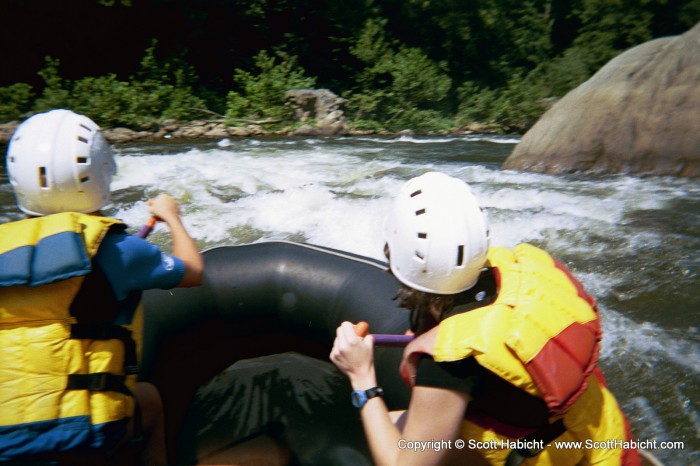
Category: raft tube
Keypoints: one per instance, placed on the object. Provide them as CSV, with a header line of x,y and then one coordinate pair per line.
x,y
231,357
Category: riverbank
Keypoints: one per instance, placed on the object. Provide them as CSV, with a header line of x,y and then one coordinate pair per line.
x,y
314,112
216,129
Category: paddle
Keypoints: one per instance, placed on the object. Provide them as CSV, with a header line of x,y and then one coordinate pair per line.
x,y
147,228
395,341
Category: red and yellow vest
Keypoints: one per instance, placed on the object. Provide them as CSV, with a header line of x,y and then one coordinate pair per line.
x,y
63,385
541,334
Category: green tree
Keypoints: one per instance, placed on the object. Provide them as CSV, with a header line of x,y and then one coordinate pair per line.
x,y
514,108
105,99
15,101
399,86
400,63
56,93
260,94
160,90
488,41
607,28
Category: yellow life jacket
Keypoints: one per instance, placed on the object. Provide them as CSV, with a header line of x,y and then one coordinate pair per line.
x,y
63,385
542,335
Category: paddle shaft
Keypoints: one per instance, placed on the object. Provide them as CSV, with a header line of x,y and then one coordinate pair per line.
x,y
147,228
389,341
380,339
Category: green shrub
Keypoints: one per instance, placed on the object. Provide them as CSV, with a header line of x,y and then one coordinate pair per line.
x,y
418,120
15,101
55,93
108,102
261,94
514,108
399,86
161,90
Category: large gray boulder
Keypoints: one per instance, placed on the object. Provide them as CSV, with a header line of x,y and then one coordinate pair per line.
x,y
321,105
639,114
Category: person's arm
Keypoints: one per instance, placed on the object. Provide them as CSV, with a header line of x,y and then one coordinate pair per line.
x,y
434,414
167,209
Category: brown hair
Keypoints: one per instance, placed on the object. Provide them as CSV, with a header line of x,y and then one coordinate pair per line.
x,y
420,303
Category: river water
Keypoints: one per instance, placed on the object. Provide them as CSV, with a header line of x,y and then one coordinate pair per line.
x,y
633,242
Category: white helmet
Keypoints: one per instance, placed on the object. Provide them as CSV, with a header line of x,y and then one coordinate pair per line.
x,y
437,235
59,162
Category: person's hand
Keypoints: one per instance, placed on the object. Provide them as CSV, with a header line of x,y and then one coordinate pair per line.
x,y
167,209
164,207
354,356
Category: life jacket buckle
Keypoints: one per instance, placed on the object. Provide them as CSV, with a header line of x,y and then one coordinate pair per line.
x,y
529,452
97,382
517,456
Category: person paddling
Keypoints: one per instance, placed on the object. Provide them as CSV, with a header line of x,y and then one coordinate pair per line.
x,y
70,288
504,362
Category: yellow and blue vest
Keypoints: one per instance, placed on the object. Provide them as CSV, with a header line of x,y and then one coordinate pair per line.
x,y
64,384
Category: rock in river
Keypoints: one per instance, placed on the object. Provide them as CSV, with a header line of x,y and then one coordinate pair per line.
x,y
639,114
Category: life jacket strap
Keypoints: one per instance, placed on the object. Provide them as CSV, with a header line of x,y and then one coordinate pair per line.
x,y
98,382
542,436
105,331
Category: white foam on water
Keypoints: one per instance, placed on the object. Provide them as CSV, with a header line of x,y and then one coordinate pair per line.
x,y
443,139
319,216
323,198
494,139
626,339
338,197
309,193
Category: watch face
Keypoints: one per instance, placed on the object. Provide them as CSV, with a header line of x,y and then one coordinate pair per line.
x,y
358,398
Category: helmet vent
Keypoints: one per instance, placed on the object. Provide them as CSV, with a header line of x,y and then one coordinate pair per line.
x,y
420,212
460,255
415,193
84,179
82,139
81,159
422,235
43,181
86,127
420,256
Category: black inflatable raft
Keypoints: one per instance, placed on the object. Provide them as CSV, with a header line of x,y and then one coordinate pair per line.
x,y
246,354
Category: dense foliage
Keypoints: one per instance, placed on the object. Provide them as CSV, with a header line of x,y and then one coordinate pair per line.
x,y
261,92
428,65
158,91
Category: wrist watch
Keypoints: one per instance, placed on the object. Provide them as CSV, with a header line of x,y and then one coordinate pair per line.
x,y
360,397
